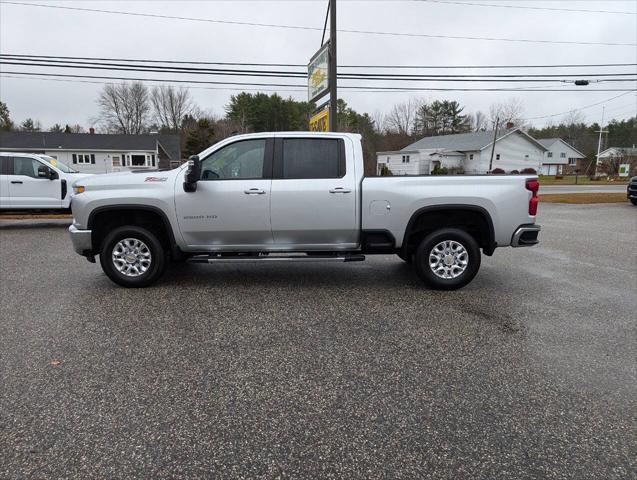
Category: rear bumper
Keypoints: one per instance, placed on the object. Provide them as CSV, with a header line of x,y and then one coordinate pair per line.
x,y
632,191
81,240
526,236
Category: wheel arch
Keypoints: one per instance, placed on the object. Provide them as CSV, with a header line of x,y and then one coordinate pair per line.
x,y
103,218
474,219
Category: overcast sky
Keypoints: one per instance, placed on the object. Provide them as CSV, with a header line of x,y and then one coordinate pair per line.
x,y
48,31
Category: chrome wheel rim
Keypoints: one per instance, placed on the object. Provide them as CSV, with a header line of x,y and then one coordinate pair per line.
x,y
448,259
131,257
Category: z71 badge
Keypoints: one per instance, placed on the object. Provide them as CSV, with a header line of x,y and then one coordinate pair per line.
x,y
156,179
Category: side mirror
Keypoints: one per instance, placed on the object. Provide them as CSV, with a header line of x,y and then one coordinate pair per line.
x,y
46,172
193,174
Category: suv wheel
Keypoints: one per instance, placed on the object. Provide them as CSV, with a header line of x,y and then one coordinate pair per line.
x,y
132,257
447,259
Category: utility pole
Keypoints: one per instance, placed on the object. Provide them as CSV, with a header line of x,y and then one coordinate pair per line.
x,y
332,69
495,136
599,142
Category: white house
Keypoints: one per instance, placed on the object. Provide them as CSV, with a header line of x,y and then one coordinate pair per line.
x,y
98,153
469,152
558,154
623,153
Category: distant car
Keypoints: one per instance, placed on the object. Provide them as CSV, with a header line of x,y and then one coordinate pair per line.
x,y
631,192
33,181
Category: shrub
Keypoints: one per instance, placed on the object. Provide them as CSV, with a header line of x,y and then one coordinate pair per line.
x,y
515,172
440,171
497,171
456,171
385,171
529,170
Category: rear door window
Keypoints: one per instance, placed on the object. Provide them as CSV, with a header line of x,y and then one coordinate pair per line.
x,y
5,164
312,158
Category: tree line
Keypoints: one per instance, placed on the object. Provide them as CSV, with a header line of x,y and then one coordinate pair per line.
x,y
134,108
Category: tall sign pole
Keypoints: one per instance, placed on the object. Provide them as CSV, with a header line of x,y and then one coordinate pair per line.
x,y
332,69
599,142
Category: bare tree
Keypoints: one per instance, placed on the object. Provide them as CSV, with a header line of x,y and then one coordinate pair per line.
x,y
511,111
479,121
401,117
380,120
124,108
171,105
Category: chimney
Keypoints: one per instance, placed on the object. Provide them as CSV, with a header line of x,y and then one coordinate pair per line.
x,y
91,131
510,125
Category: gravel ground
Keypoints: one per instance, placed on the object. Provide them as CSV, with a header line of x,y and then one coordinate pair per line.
x,y
325,370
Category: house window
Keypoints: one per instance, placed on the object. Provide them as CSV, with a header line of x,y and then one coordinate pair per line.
x,y
497,156
83,158
562,155
138,160
117,162
549,155
405,158
471,156
572,161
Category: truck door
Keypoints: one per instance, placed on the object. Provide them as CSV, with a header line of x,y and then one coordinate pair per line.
x,y
4,181
230,210
314,194
27,189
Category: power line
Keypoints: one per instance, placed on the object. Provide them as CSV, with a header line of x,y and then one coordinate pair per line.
x,y
194,62
581,108
349,87
303,27
535,78
526,7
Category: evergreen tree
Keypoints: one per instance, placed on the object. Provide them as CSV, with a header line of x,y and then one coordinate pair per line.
x,y
5,118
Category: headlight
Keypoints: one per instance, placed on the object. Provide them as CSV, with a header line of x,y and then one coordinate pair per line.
x,y
77,189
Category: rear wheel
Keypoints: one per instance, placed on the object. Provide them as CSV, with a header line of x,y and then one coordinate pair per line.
x,y
447,259
132,257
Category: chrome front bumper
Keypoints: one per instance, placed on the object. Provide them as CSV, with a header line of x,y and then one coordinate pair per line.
x,y
526,236
81,239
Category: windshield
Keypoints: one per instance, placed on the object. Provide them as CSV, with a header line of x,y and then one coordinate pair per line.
x,y
59,165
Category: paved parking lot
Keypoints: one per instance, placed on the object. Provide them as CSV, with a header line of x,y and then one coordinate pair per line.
x,y
325,371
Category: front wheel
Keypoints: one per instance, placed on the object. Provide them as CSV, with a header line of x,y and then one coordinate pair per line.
x,y
447,259
132,257
633,201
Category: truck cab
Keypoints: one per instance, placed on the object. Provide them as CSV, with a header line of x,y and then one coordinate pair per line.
x,y
32,181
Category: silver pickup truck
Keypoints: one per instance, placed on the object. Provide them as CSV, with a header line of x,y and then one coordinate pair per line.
x,y
297,196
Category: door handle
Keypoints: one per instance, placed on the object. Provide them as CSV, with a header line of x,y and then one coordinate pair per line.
x,y
16,181
340,190
254,191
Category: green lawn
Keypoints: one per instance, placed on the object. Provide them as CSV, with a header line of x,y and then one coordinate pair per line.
x,y
581,180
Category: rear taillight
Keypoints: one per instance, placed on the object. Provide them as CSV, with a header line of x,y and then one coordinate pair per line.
x,y
533,186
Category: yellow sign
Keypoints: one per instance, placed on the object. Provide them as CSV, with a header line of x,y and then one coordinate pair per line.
x,y
320,122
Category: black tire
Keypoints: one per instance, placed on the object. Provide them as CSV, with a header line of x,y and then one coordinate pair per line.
x,y
409,258
633,201
425,248
157,257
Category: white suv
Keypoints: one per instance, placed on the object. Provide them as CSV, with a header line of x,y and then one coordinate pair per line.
x,y
30,181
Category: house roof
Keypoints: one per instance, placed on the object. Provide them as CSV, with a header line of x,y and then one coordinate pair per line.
x,y
86,141
465,142
625,151
548,142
